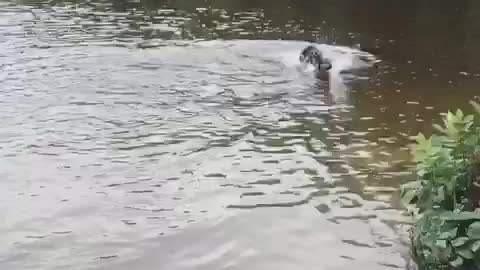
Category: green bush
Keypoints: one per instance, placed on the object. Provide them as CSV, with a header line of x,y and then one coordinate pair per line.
x,y
445,196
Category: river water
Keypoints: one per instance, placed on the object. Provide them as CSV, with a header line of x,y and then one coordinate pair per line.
x,y
186,135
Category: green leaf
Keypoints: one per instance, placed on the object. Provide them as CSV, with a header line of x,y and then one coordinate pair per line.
x,y
468,124
460,241
457,262
465,252
474,230
423,144
471,140
469,118
449,235
442,251
421,172
441,244
450,117
459,114
475,246
421,139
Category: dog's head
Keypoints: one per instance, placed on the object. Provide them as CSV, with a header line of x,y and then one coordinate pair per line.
x,y
313,56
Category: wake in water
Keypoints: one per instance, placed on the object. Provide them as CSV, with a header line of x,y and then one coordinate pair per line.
x,y
335,66
277,62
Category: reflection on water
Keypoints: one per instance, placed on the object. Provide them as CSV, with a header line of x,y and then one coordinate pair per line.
x,y
134,136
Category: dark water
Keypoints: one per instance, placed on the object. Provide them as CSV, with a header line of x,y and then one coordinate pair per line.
x,y
185,135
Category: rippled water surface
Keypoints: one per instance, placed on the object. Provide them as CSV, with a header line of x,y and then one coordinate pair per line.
x,y
186,135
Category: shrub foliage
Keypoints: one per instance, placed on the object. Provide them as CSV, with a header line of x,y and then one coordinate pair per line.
x,y
445,196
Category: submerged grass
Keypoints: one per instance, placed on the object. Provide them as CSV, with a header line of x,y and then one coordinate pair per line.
x,y
445,197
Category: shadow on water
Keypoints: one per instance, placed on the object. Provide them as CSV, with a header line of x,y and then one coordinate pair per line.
x,y
186,135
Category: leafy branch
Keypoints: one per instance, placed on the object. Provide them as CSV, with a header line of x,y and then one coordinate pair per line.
x,y
446,194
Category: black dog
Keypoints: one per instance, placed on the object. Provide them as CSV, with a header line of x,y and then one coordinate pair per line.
x,y
312,55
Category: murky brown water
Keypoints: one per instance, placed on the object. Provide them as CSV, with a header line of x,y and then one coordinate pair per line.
x,y
185,135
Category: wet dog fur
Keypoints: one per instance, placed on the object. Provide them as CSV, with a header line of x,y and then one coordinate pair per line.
x,y
312,55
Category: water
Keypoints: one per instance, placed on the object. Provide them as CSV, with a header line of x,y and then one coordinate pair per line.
x,y
186,135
